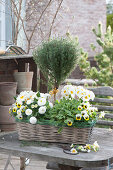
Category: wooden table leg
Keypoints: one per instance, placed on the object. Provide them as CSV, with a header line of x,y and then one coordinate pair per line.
x,y
66,167
22,163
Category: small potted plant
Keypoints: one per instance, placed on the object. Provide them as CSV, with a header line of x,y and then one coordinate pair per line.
x,y
56,59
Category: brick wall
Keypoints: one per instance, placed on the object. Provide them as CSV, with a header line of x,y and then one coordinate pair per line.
x,y
76,16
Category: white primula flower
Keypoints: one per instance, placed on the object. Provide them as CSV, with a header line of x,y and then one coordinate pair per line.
x,y
78,116
84,112
73,150
42,109
67,91
44,95
96,146
32,106
91,95
93,109
41,101
29,102
19,112
51,104
86,117
33,120
102,114
31,93
33,96
79,90
72,145
15,107
35,105
22,96
19,116
28,112
86,98
19,102
64,92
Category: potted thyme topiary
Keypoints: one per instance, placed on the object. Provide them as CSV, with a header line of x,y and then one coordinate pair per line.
x,y
56,59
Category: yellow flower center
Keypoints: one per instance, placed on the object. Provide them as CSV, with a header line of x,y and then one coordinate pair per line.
x,y
88,147
22,97
14,110
71,92
77,92
69,123
78,118
64,91
79,108
86,97
73,151
18,105
85,106
20,117
86,118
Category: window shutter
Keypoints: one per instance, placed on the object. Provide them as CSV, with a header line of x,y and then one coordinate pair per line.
x,y
8,24
2,25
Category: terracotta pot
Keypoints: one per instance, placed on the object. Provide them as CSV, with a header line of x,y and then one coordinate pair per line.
x,y
7,122
24,80
7,93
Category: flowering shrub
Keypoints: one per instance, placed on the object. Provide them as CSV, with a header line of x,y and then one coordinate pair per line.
x,y
31,107
74,108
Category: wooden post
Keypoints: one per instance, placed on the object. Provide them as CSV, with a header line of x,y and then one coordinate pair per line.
x,y
22,163
66,167
43,87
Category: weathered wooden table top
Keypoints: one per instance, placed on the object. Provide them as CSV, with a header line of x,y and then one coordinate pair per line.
x,y
9,144
15,57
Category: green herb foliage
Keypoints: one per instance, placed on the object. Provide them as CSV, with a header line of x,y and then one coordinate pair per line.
x,y
56,59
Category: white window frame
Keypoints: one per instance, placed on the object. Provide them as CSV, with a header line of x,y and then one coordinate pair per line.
x,y
2,19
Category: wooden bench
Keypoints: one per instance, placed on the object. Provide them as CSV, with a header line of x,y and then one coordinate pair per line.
x,y
106,104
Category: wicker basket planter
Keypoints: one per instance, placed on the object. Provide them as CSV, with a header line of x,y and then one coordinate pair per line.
x,y
47,133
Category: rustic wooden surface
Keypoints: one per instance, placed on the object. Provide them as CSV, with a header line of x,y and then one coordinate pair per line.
x,y
102,90
15,56
104,104
9,143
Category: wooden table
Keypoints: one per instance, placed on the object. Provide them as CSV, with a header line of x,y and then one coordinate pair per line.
x,y
9,144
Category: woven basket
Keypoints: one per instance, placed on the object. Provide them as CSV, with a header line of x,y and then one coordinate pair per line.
x,y
47,133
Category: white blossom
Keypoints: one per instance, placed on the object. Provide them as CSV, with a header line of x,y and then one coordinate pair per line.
x,y
33,120
28,112
41,101
51,104
42,109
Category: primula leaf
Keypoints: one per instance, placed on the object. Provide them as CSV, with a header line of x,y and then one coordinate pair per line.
x,y
38,94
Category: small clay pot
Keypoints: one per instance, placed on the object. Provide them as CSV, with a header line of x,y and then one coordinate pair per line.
x,y
24,80
7,122
7,93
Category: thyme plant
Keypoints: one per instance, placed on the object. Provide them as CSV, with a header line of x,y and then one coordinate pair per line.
x,y
56,59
